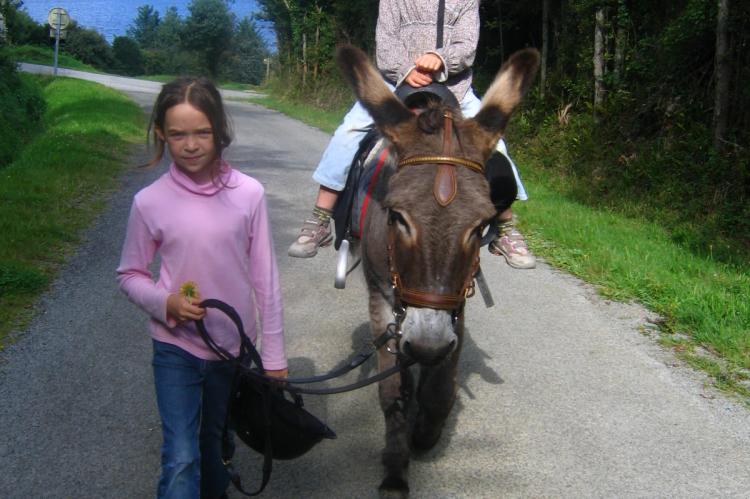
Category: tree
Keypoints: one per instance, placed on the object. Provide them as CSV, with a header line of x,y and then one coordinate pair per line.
x,y
599,89
208,30
248,50
26,31
620,40
545,47
9,10
127,55
721,100
145,26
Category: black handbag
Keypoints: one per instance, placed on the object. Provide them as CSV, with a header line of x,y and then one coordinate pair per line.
x,y
258,410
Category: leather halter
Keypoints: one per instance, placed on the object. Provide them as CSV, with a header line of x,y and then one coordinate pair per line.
x,y
444,191
445,186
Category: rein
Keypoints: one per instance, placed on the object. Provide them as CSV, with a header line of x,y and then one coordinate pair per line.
x,y
392,332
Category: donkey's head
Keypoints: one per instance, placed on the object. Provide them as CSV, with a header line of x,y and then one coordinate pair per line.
x,y
438,201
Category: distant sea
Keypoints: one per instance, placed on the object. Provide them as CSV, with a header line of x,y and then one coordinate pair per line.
x,y
113,17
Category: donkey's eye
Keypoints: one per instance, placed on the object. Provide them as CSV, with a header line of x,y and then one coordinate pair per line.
x,y
477,233
399,221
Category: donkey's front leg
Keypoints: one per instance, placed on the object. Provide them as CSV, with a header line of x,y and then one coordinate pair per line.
x,y
436,395
394,402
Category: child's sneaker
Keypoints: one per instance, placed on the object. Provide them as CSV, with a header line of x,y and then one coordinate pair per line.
x,y
510,244
314,234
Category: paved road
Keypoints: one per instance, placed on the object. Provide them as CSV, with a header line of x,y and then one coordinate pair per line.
x,y
119,82
562,394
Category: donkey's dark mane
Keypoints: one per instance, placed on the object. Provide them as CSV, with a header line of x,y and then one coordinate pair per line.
x,y
431,120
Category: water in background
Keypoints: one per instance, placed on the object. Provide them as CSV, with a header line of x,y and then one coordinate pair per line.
x,y
113,17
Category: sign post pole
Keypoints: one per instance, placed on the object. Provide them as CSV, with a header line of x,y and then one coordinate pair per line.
x,y
58,20
57,37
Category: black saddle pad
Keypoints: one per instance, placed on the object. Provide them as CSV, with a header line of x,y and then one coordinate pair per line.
x,y
352,201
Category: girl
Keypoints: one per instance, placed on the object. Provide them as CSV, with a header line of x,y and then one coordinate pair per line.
x,y
210,226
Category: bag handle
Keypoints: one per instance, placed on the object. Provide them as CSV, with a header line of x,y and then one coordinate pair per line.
x,y
247,350
246,346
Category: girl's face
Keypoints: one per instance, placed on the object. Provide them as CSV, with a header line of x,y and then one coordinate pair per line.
x,y
190,139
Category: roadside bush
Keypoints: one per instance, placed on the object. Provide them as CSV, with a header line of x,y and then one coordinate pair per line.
x,y
89,46
21,108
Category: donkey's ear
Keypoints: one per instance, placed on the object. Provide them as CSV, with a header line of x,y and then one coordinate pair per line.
x,y
506,92
385,108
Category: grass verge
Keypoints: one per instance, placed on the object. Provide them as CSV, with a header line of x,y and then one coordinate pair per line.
x,y
57,185
46,56
322,119
703,302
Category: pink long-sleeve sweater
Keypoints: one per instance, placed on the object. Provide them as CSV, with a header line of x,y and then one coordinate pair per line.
x,y
218,237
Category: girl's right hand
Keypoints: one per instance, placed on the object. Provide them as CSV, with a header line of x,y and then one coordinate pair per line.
x,y
181,309
416,78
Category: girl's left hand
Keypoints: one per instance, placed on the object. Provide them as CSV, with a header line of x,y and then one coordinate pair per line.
x,y
278,373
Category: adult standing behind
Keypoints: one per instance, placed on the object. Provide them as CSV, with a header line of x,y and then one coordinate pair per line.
x,y
407,53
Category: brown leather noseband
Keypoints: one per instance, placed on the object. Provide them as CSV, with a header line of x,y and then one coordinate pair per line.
x,y
444,190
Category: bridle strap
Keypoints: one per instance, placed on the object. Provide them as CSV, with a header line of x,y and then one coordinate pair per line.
x,y
445,186
450,160
419,298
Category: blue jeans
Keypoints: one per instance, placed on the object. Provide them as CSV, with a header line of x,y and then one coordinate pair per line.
x,y
337,158
192,396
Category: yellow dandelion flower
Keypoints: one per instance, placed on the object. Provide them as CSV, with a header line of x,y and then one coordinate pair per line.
x,y
189,290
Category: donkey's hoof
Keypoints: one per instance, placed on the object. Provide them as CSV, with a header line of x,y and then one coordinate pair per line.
x,y
424,439
394,488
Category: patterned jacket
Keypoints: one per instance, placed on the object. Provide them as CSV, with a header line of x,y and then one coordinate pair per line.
x,y
406,29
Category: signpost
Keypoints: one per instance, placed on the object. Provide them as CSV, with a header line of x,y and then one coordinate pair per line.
x,y
58,20
267,60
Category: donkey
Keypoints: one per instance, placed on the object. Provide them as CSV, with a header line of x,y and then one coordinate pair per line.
x,y
420,244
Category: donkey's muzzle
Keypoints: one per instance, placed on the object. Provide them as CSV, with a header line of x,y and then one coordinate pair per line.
x,y
426,355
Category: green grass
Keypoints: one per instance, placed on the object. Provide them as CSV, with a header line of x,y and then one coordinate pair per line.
x,y
231,85
56,186
704,302
45,55
325,120
700,299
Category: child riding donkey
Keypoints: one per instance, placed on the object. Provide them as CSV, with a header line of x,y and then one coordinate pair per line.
x,y
410,53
